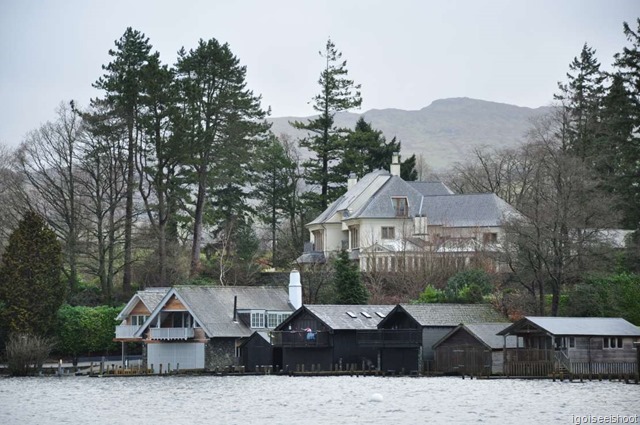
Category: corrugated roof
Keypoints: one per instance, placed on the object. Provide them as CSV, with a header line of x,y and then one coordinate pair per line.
x,y
583,326
213,305
337,316
452,314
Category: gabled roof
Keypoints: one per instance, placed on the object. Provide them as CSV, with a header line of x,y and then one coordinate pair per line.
x,y
150,297
380,204
341,317
485,333
369,183
212,306
471,210
578,326
448,314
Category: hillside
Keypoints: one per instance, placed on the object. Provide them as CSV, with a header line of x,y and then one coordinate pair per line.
x,y
443,132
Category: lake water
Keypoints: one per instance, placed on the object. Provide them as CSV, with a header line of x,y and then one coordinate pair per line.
x,y
310,400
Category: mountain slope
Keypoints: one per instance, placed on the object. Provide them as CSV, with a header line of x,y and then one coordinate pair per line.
x,y
443,132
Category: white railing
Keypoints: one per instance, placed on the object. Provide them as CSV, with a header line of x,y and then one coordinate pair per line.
x,y
171,333
126,331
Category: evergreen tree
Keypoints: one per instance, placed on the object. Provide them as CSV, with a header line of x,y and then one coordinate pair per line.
x,y
349,287
122,83
582,97
325,141
31,287
275,189
628,64
222,122
366,150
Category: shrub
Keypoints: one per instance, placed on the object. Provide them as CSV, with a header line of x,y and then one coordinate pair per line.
x,y
26,353
84,330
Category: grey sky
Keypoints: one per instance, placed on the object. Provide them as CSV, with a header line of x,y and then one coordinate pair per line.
x,y
404,53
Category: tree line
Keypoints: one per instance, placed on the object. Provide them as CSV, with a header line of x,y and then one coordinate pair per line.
x,y
166,176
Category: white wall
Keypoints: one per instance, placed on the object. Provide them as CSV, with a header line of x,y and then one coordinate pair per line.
x,y
189,355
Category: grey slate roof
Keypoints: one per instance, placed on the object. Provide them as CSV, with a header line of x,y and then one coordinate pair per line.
x,y
150,297
431,188
488,334
381,205
337,318
212,306
473,210
583,326
375,178
452,314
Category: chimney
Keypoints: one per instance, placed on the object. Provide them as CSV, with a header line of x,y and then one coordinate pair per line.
x,y
353,179
235,309
295,289
395,165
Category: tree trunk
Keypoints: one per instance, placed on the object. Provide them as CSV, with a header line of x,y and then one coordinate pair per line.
x,y
128,221
197,227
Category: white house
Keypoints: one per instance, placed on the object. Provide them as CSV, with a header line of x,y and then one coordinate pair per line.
x,y
386,223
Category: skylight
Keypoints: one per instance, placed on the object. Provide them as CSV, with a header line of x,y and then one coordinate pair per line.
x,y
351,314
380,315
365,314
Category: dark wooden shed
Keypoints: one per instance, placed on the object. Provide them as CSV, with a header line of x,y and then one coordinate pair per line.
x,y
256,353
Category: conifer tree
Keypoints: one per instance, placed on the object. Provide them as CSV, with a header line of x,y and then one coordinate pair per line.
x,y
325,141
122,84
349,287
31,287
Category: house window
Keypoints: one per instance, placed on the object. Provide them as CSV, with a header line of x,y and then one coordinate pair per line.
x,y
257,319
354,237
489,238
388,233
274,319
572,342
612,342
318,242
138,320
401,207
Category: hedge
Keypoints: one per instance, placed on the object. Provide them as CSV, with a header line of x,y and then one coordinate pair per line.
x,y
86,330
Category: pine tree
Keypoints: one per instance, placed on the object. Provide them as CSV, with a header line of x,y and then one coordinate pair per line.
x,y
325,141
122,83
582,97
628,64
222,125
275,189
367,150
349,287
31,287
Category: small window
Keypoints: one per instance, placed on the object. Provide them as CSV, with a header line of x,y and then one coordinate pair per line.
x,y
138,320
388,233
380,315
490,238
401,207
572,342
257,319
351,314
365,314
611,342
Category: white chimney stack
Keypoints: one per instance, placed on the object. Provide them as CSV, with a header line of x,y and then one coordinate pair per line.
x,y
295,289
395,165
353,179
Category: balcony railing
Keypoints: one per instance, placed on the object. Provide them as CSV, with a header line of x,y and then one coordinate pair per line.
x,y
300,339
171,333
389,338
126,331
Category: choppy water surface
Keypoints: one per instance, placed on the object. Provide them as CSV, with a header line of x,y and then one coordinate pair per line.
x,y
308,401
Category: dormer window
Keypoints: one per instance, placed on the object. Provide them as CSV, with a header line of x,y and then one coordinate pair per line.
x,y
401,206
257,319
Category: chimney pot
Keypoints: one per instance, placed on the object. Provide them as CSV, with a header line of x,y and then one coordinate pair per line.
x,y
295,289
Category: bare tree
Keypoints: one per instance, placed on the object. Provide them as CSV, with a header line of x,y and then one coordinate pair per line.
x,y
49,159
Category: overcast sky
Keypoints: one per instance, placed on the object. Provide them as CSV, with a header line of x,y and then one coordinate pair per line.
x,y
405,53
